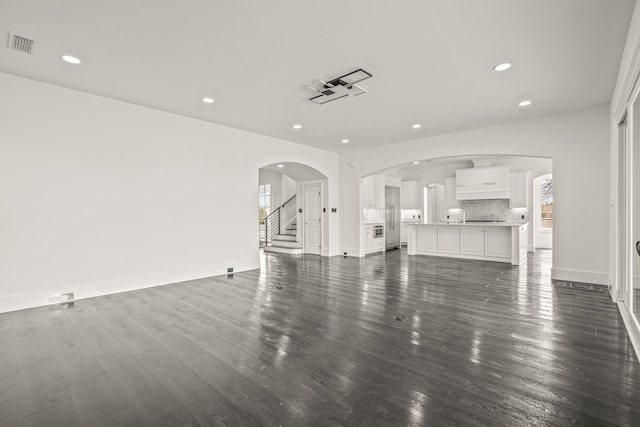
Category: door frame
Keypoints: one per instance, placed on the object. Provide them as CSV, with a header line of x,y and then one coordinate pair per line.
x,y
627,194
302,230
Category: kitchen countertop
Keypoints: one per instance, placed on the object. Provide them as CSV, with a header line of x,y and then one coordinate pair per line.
x,y
476,224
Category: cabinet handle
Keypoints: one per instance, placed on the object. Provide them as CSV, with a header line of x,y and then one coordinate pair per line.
x,y
460,185
488,183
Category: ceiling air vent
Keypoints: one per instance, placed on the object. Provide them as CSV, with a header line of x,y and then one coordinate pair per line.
x,y
339,87
21,44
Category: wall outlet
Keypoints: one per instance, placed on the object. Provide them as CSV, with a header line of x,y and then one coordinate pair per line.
x,y
230,270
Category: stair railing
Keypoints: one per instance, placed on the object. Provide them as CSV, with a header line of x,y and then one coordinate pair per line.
x,y
272,223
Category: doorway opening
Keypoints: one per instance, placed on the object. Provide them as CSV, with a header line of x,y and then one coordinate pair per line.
x,y
543,211
291,200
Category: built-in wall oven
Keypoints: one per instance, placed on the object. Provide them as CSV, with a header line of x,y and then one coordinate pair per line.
x,y
378,231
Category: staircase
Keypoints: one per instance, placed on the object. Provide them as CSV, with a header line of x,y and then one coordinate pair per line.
x,y
286,242
281,230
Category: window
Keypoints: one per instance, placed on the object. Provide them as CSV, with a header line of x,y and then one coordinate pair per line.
x,y
264,202
546,204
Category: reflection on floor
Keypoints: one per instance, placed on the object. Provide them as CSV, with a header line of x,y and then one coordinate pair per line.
x,y
383,340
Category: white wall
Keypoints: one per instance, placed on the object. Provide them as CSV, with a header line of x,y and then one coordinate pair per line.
x,y
288,188
576,141
101,196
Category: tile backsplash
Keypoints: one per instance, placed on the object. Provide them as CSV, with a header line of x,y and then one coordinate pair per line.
x,y
373,216
495,210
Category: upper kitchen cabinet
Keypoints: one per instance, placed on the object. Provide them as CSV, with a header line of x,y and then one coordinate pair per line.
x,y
483,183
373,188
408,195
450,193
519,189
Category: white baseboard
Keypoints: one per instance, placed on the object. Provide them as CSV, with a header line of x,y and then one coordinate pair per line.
x,y
581,276
90,290
356,252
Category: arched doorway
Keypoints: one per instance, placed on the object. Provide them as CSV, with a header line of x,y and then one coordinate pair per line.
x,y
291,207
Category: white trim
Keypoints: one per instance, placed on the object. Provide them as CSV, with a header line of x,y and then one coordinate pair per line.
x,y
352,252
106,287
581,276
629,328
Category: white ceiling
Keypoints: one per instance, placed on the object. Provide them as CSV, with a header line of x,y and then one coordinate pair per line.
x,y
431,60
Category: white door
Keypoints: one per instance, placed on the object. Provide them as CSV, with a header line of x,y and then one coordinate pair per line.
x,y
312,215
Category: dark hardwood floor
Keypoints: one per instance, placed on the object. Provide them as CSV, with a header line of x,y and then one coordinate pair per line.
x,y
385,340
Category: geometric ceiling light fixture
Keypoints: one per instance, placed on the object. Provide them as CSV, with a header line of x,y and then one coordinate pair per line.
x,y
339,87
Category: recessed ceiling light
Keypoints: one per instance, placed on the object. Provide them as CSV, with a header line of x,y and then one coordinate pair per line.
x,y
345,141
502,66
416,126
207,100
70,59
416,163
524,103
297,126
280,166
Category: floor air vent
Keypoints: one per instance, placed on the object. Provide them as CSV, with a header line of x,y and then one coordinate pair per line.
x,y
21,44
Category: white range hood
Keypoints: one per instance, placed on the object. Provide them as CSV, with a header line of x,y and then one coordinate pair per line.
x,y
483,183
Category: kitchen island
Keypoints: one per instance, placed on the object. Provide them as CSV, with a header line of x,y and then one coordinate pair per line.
x,y
487,241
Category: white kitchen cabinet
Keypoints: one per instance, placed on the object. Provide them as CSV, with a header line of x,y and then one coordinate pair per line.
x,y
368,238
392,181
371,243
450,193
427,239
373,188
472,241
448,240
483,183
497,242
408,195
378,242
403,233
506,243
519,189
369,189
